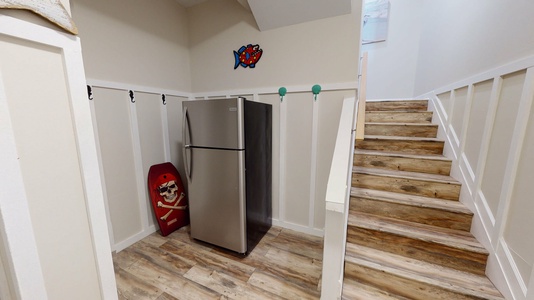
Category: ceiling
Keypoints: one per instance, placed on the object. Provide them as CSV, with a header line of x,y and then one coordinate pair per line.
x,y
270,14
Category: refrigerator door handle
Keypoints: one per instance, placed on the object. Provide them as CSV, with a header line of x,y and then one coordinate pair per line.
x,y
186,135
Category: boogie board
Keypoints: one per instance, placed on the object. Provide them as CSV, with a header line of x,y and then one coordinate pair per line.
x,y
168,197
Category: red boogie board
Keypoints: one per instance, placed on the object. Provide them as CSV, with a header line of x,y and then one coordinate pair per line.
x,y
168,197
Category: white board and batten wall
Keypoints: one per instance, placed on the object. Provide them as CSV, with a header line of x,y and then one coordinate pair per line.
x,y
488,121
197,61
54,242
134,136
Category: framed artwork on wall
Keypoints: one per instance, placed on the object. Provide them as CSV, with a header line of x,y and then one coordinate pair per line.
x,y
375,21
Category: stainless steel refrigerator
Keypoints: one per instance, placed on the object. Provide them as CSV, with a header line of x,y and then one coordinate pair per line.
x,y
227,158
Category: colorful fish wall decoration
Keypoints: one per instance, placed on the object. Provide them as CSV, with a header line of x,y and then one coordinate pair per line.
x,y
247,56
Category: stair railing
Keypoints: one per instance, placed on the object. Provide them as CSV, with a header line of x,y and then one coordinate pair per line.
x,y
337,193
351,124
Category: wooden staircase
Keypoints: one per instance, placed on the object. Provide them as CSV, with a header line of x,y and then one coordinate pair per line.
x,y
408,235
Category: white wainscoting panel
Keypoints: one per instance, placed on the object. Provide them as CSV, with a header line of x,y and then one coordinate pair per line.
x,y
492,158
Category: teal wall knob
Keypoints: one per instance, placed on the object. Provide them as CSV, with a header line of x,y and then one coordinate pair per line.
x,y
316,89
282,92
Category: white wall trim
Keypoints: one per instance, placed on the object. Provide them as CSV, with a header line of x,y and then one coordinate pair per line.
x,y
485,213
136,88
465,124
516,145
489,226
298,227
82,121
134,238
313,162
274,90
480,200
90,170
502,70
282,155
510,271
467,172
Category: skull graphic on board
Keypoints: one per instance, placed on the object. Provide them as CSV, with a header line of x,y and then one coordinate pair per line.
x,y
169,191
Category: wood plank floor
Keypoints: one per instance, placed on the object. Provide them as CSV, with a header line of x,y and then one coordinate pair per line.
x,y
284,265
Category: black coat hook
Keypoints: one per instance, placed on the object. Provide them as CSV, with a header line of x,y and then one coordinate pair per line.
x,y
163,99
132,98
90,92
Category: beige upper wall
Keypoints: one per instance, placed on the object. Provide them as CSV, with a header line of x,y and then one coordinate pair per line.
x,y
464,38
322,51
136,42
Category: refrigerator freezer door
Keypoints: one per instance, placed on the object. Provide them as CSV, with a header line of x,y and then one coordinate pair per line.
x,y
214,123
217,198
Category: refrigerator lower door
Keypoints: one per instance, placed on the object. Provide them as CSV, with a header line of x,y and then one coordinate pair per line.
x,y
217,198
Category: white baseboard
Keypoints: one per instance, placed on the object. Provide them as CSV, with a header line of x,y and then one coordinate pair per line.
x,y
133,239
299,228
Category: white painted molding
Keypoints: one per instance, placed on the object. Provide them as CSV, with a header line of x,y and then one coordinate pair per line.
x,y
498,265
90,170
487,227
134,238
508,68
136,88
530,287
514,155
484,211
282,155
33,283
467,173
333,256
274,90
465,123
480,199
505,258
298,227
313,160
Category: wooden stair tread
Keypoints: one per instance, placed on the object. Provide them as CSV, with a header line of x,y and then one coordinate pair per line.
x,y
392,104
406,175
401,138
435,275
399,116
398,111
402,124
402,155
450,237
412,200
354,290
